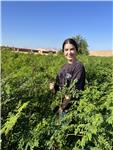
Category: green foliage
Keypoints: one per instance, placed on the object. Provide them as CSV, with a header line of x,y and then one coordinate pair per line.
x,y
12,119
28,120
82,44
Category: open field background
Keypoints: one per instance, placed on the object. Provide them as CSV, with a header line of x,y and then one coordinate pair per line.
x,y
101,53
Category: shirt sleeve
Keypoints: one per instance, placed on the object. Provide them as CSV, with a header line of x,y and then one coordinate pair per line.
x,y
60,79
80,76
56,84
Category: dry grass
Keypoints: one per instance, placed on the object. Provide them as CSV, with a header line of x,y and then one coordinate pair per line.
x,y
101,53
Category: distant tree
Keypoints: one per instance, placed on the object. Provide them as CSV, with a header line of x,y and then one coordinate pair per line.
x,y
82,44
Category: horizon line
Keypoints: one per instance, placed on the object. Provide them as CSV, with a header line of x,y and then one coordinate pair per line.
x,y
91,50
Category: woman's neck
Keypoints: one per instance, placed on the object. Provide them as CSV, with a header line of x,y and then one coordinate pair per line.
x,y
72,61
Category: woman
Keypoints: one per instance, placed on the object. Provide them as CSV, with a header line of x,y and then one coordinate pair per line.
x,y
72,70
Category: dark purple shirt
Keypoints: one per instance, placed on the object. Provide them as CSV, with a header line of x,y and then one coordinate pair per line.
x,y
68,73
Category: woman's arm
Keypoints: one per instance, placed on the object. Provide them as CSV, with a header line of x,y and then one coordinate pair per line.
x,y
81,79
80,76
54,86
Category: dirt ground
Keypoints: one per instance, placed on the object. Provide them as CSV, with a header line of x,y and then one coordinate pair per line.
x,y
101,53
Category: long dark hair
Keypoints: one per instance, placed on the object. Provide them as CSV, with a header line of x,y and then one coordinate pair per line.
x,y
71,41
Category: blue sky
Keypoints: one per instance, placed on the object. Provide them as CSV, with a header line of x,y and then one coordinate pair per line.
x,y
34,24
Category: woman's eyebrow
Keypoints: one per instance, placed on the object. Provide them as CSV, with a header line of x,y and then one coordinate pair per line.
x,y
66,49
71,48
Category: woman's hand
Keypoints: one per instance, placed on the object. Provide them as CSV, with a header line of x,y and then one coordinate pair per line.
x,y
60,110
67,97
52,87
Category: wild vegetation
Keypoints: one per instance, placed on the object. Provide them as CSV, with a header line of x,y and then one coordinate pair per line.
x,y
28,120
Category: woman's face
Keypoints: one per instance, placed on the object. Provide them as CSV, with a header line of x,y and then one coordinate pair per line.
x,y
70,52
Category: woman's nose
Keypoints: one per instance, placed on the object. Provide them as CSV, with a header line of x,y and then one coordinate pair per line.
x,y
69,52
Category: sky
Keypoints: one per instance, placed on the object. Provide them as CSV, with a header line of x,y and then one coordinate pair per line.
x,y
46,24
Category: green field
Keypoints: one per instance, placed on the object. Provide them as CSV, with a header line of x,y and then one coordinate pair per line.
x,y
28,121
